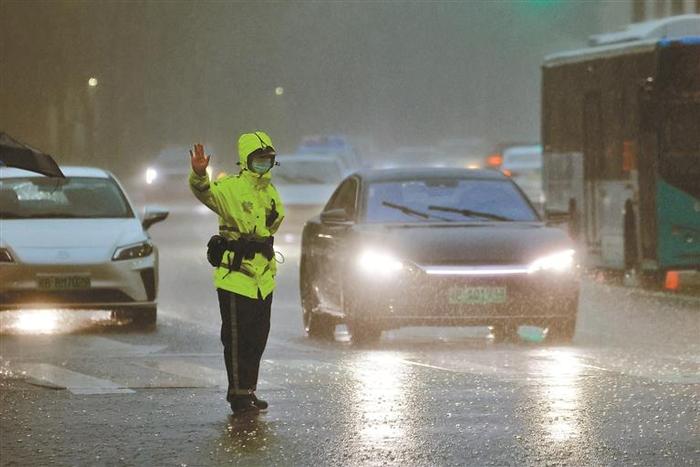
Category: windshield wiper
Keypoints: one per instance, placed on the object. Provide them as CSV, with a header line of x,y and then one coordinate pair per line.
x,y
470,213
412,212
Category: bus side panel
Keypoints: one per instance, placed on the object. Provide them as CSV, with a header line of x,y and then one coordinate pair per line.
x,y
678,228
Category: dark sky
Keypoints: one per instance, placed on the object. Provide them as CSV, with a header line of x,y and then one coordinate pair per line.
x,y
396,73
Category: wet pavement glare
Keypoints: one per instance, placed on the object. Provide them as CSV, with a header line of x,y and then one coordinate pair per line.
x,y
82,389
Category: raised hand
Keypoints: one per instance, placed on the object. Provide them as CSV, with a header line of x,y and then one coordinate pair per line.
x,y
200,162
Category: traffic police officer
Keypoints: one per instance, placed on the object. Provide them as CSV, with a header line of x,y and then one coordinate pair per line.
x,y
250,212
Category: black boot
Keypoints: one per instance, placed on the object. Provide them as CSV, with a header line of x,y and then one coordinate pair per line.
x,y
243,404
259,403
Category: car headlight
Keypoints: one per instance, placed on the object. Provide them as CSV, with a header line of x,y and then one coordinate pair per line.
x,y
6,256
151,175
377,263
559,262
137,250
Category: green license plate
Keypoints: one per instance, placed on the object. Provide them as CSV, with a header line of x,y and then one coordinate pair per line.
x,y
477,295
63,282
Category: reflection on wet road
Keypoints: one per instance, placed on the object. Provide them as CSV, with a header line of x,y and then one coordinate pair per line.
x,y
627,391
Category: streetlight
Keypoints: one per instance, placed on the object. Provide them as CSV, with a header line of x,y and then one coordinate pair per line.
x,y
92,82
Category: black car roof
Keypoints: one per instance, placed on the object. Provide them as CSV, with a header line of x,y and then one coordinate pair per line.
x,y
408,173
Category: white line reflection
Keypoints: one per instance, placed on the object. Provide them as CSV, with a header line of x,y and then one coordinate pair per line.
x,y
380,396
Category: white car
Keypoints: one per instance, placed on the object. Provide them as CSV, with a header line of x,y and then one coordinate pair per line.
x,y
305,182
524,165
76,243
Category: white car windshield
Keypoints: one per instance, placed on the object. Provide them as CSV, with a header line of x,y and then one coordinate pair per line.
x,y
74,197
307,172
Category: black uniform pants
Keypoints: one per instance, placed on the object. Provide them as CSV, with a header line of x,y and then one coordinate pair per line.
x,y
245,325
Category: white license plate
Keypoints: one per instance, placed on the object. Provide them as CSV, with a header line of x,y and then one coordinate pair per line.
x,y
63,282
477,295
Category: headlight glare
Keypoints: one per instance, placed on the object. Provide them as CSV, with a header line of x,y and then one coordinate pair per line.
x,y
151,175
558,262
377,263
134,251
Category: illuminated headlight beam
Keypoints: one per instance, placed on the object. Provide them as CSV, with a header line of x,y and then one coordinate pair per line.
x,y
559,262
377,263
151,175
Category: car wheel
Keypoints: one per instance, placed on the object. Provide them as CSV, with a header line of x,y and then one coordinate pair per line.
x,y
364,332
504,332
143,317
316,325
319,325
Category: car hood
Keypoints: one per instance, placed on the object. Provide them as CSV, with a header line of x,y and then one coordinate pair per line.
x,y
68,240
304,194
476,243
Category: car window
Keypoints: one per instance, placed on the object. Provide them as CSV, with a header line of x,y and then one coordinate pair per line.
x,y
449,200
344,197
308,172
74,197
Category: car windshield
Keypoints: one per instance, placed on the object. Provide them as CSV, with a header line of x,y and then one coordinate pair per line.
x,y
74,197
307,172
450,200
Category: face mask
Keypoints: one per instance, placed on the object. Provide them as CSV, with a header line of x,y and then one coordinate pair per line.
x,y
260,166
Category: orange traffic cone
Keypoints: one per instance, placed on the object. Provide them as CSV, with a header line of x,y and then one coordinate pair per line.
x,y
672,280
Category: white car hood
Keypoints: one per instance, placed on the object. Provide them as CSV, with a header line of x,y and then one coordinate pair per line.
x,y
305,194
68,241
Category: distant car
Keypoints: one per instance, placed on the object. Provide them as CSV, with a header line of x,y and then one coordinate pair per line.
x,y
331,145
524,165
76,243
414,156
305,182
166,176
407,247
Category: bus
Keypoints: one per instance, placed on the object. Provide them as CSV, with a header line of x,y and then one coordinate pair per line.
x,y
621,146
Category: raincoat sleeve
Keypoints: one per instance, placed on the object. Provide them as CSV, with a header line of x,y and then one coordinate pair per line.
x,y
280,211
207,193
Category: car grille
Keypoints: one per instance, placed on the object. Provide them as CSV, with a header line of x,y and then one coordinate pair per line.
x,y
65,296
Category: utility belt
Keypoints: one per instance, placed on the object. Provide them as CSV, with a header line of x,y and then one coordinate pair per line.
x,y
241,248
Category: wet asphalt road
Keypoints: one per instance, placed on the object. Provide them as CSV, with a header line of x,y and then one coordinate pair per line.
x,y
94,392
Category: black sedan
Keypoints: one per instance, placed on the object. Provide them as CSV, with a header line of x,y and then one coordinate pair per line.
x,y
414,247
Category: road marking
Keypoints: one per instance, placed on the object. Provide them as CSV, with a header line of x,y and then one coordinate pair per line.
x,y
44,374
117,347
199,375
205,376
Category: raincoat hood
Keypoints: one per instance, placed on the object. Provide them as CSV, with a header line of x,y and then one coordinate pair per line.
x,y
249,143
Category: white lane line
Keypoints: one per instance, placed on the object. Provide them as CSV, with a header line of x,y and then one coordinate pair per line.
x,y
113,346
204,376
44,374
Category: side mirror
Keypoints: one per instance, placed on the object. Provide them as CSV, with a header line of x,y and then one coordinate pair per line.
x,y
335,216
152,215
553,216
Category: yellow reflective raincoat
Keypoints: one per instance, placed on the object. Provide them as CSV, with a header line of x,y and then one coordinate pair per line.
x,y
243,203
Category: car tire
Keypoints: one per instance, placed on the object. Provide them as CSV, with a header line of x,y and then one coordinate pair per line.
x,y
504,332
142,317
319,325
316,325
364,332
